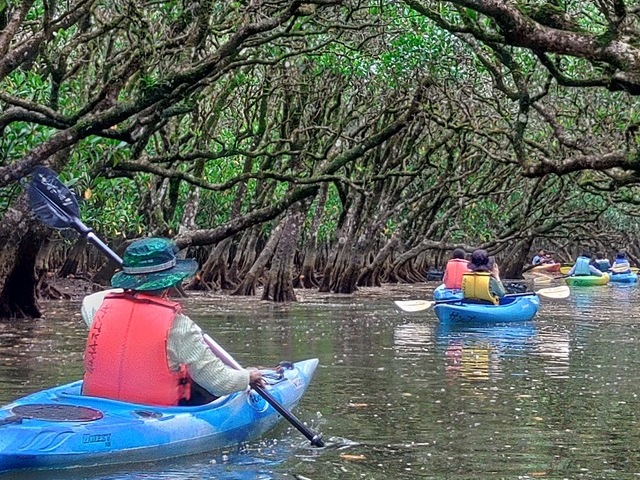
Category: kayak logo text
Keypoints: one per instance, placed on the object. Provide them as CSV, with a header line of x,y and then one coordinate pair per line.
x,y
100,438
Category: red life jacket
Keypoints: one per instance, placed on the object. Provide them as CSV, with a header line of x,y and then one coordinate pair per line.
x,y
456,267
126,353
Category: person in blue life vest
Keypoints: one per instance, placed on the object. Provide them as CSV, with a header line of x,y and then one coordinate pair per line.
x,y
482,282
541,258
583,266
601,262
141,348
621,264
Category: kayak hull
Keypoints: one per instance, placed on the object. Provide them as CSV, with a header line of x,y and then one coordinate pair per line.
x,y
72,430
587,280
518,308
624,277
443,293
547,267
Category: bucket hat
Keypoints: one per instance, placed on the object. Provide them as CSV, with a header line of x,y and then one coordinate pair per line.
x,y
150,264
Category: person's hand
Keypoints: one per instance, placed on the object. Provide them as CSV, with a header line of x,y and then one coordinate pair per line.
x,y
255,377
495,271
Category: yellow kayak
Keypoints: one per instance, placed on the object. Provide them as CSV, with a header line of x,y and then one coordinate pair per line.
x,y
565,269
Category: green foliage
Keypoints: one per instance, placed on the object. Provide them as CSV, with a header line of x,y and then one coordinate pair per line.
x,y
269,103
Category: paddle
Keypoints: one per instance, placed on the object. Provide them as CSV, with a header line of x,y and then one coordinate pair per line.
x,y
419,305
623,269
56,206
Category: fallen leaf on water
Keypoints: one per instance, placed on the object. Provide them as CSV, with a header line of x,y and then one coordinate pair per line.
x,y
358,405
346,456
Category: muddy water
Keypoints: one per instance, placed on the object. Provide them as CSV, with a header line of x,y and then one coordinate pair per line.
x,y
398,395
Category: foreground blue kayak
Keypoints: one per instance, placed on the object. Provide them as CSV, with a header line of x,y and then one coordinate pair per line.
x,y
60,428
623,277
443,293
516,308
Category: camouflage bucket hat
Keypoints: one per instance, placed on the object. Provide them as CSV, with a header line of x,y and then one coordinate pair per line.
x,y
151,264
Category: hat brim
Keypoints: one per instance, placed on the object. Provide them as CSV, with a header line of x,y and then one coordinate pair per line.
x,y
182,270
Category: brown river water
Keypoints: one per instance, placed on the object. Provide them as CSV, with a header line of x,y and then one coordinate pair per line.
x,y
397,395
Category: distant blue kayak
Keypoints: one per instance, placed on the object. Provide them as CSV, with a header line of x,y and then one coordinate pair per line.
x,y
443,293
516,308
623,277
60,428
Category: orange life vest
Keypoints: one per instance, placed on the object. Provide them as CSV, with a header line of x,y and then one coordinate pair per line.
x,y
456,267
126,353
475,286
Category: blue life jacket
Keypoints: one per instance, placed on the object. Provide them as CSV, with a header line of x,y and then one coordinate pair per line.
x,y
582,266
603,264
621,265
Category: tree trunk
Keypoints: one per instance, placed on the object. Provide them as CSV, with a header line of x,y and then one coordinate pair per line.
x,y
70,265
248,284
369,275
515,259
21,238
307,278
341,245
245,255
213,274
279,284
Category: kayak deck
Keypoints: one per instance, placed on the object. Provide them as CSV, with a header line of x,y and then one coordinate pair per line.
x,y
61,428
443,293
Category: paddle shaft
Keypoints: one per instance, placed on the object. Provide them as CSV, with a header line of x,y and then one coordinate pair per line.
x,y
104,247
523,294
70,218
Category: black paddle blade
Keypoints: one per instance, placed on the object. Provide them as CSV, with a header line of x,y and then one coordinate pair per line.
x,y
54,204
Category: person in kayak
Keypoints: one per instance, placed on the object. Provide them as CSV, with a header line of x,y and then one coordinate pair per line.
x,y
601,262
583,266
482,282
141,348
541,259
621,264
456,267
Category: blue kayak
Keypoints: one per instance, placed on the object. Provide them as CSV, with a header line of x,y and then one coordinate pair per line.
x,y
512,308
443,293
623,277
60,428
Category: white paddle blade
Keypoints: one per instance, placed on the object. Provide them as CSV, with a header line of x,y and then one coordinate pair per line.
x,y
413,305
555,292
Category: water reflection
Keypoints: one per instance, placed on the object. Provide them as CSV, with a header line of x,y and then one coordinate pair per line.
x,y
476,352
552,345
244,463
589,301
400,395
